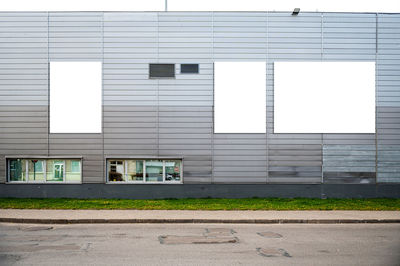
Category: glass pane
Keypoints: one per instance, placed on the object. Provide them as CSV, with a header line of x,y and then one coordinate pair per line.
x,y
154,171
17,170
135,170
55,170
116,170
35,170
173,170
73,170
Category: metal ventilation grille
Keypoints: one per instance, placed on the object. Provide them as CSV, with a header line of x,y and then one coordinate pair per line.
x,y
189,68
162,70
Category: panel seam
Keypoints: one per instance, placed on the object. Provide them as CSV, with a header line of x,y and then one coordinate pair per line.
x,y
48,83
102,98
158,86
213,103
376,92
266,99
322,134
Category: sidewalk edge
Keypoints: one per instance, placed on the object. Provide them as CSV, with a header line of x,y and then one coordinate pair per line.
x,y
222,221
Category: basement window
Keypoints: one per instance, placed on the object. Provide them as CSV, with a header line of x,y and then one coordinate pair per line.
x,y
148,171
189,68
44,170
161,71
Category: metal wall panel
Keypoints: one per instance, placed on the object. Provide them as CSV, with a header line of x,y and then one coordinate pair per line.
x,y
77,36
388,98
349,158
349,163
23,85
239,158
23,58
174,117
292,158
130,44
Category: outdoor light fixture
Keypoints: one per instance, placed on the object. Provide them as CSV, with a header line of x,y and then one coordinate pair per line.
x,y
296,11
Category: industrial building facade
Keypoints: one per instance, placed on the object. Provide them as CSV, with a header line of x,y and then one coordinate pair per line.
x,y
156,130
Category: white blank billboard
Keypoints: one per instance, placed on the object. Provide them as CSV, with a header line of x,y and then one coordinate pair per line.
x,y
75,97
324,97
240,97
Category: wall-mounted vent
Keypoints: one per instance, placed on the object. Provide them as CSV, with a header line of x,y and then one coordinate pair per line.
x,y
162,71
189,68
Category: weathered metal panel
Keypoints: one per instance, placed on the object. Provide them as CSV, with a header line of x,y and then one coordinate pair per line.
x,y
349,163
388,100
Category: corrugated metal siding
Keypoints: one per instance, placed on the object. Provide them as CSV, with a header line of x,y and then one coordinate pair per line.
x,y
185,103
349,163
23,85
23,58
77,36
388,98
349,158
239,158
130,97
292,158
174,117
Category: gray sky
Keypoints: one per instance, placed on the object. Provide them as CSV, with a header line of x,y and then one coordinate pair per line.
x,y
387,6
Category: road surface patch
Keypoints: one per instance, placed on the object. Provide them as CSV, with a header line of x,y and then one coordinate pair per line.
x,y
273,252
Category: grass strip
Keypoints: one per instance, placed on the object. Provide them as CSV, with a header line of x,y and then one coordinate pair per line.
x,y
377,204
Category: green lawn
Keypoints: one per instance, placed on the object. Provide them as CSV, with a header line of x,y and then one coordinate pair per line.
x,y
204,204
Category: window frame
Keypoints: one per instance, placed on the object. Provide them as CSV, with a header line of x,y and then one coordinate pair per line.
x,y
44,159
144,182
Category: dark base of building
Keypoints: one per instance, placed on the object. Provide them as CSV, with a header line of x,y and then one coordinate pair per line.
x,y
200,191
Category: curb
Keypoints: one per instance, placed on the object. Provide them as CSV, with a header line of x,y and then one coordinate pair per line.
x,y
217,221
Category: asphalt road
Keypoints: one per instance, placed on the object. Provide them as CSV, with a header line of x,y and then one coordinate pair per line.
x,y
200,244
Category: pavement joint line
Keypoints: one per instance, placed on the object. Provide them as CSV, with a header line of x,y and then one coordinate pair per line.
x,y
214,221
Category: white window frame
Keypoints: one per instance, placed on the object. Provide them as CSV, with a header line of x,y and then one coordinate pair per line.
x,y
45,159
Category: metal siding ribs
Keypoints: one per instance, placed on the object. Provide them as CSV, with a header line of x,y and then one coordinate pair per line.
x,y
174,117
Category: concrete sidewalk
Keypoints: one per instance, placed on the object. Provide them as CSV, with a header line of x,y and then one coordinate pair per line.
x,y
174,216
